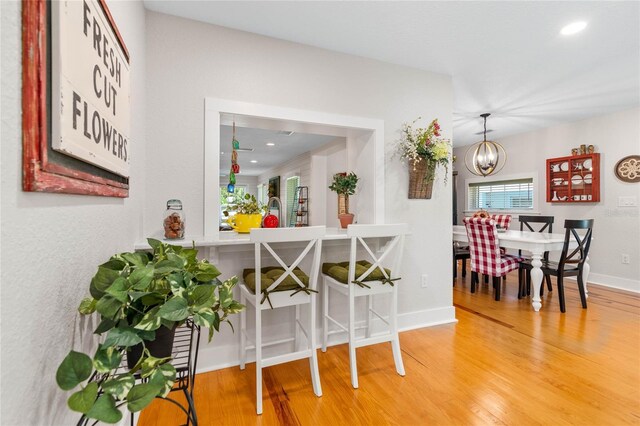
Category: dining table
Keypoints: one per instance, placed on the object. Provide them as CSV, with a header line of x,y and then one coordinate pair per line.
x,y
534,242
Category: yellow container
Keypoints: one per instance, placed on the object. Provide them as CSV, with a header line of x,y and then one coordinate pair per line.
x,y
242,223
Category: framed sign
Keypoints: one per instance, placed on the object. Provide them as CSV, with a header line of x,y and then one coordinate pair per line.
x,y
274,187
75,99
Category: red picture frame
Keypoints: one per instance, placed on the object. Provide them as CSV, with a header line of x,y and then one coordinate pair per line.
x,y
39,172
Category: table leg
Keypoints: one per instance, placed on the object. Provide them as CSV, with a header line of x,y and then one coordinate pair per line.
x,y
536,280
585,275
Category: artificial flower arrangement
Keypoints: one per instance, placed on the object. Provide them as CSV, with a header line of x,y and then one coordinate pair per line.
x,y
417,144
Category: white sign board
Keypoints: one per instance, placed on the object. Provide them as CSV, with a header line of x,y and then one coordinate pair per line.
x,y
90,74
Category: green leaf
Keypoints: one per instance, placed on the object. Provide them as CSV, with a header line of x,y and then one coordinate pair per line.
x,y
107,358
83,400
206,272
235,307
176,259
105,325
135,259
152,299
102,280
119,289
141,278
75,368
114,264
176,309
160,285
87,306
122,336
119,386
141,395
155,244
202,296
135,295
150,320
167,266
164,378
108,306
150,363
105,410
216,321
148,335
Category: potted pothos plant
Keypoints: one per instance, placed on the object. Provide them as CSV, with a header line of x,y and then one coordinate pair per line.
x,y
140,296
344,184
248,214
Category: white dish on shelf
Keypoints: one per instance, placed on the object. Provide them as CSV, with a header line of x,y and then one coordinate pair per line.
x,y
564,166
587,164
588,178
557,181
576,180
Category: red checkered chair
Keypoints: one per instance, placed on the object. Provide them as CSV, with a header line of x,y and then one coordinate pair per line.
x,y
486,257
502,220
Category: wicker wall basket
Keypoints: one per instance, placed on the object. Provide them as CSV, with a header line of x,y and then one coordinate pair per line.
x,y
421,179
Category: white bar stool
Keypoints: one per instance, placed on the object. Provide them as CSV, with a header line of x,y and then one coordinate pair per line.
x,y
287,287
371,280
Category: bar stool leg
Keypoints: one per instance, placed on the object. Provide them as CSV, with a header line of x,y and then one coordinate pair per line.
x,y
352,341
296,329
243,333
313,359
258,360
325,314
395,343
369,315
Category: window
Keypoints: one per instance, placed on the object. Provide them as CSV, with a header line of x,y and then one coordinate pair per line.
x,y
501,195
292,198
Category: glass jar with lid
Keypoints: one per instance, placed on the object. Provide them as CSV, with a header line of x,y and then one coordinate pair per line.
x,y
174,221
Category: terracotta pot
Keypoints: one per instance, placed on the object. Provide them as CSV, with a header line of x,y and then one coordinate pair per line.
x,y
346,219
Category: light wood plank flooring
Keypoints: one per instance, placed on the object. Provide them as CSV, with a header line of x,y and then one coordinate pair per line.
x,y
501,363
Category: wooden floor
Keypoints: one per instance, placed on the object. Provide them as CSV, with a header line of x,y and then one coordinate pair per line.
x,y
502,363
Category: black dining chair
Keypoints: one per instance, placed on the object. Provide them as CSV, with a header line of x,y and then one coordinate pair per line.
x,y
540,224
571,263
460,253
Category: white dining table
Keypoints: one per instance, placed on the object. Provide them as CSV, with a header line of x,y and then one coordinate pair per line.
x,y
534,242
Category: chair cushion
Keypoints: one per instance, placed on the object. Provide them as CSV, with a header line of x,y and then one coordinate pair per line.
x,y
270,274
340,271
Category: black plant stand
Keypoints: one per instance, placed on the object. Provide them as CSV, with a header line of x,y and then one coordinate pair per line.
x,y
185,361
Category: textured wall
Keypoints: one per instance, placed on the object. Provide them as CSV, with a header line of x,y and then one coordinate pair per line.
x,y
52,243
192,60
617,229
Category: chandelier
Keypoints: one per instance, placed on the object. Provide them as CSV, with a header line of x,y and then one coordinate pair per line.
x,y
486,157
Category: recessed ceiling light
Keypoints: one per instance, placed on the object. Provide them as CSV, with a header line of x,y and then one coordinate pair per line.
x,y
253,161
271,144
573,28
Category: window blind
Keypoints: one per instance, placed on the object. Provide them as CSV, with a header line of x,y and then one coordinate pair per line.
x,y
506,194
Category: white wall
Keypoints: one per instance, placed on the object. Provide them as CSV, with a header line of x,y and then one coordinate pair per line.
x,y
192,60
617,229
52,243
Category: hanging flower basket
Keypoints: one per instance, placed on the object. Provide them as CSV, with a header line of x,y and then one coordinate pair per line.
x,y
421,176
425,150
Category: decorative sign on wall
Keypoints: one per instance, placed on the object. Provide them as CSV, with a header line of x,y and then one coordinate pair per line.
x,y
75,99
628,169
90,77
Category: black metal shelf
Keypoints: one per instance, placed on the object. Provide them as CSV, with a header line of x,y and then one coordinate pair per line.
x,y
185,360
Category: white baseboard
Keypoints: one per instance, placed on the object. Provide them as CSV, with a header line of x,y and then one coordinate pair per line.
x,y
406,321
613,282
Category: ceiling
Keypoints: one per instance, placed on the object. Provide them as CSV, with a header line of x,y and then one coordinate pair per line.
x,y
286,147
506,58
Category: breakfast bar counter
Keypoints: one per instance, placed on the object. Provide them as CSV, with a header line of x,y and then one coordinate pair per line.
x,y
230,238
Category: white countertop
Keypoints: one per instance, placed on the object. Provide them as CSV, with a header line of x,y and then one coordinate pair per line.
x,y
229,238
